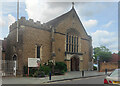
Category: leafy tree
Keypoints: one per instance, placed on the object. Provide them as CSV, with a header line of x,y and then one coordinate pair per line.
x,y
118,53
103,53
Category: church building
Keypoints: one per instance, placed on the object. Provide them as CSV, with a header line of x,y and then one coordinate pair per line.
x,y
63,39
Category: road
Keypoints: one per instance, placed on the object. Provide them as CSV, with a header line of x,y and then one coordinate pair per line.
x,y
90,80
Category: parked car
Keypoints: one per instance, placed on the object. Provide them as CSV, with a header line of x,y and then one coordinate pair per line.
x,y
113,78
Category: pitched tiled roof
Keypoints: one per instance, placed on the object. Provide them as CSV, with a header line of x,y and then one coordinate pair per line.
x,y
56,21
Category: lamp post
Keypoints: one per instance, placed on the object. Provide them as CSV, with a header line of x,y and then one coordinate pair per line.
x,y
17,18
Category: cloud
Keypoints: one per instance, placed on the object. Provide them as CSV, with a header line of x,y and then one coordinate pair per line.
x,y
1,37
87,9
2,22
11,19
108,24
44,11
90,23
2,25
103,37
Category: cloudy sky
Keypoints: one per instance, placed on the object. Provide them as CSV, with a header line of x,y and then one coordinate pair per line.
x,y
100,19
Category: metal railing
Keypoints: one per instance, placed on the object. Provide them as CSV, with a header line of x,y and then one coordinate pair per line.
x,y
8,68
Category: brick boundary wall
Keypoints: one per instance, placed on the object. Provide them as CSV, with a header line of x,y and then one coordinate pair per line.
x,y
108,65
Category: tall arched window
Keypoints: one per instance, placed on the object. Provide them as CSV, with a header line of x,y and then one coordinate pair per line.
x,y
74,44
71,43
67,42
77,44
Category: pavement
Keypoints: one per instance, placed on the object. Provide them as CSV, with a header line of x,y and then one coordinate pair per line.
x,y
89,80
33,80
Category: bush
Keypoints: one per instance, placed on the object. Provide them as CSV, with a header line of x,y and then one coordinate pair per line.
x,y
46,70
32,71
61,67
42,71
25,69
39,74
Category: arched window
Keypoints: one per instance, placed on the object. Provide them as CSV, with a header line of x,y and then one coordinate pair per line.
x,y
14,57
67,42
77,44
71,43
72,36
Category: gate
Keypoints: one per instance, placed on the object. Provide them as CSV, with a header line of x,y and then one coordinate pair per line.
x,y
8,68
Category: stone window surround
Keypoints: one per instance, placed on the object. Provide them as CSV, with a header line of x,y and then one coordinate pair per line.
x,y
41,48
71,43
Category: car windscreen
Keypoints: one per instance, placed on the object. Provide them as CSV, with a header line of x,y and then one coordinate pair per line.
x,y
115,73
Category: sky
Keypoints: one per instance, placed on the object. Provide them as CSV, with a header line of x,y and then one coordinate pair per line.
x,y
100,19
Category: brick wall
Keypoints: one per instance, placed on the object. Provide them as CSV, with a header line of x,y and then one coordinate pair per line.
x,y
32,37
109,65
85,44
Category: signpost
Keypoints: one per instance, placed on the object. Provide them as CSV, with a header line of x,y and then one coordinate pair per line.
x,y
33,62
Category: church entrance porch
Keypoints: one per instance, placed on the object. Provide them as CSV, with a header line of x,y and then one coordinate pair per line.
x,y
74,61
74,64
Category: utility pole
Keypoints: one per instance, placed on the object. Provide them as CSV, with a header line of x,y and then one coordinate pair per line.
x,y
17,18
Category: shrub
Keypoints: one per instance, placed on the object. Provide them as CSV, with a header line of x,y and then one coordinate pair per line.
x,y
46,70
61,67
32,71
39,74
42,71
25,69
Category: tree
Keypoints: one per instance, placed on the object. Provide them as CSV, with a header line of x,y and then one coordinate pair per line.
x,y
118,53
103,53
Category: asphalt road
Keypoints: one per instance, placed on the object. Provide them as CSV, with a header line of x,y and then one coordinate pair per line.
x,y
90,80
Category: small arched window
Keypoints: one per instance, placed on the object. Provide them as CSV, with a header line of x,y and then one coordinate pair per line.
x,y
14,57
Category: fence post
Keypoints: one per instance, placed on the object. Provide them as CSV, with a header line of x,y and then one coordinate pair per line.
x,y
106,71
50,76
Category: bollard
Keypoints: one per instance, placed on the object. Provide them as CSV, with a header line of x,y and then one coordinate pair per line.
x,y
106,71
50,76
82,73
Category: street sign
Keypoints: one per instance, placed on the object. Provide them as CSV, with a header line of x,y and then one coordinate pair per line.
x,y
33,62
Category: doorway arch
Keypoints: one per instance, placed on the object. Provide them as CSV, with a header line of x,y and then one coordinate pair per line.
x,y
74,63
